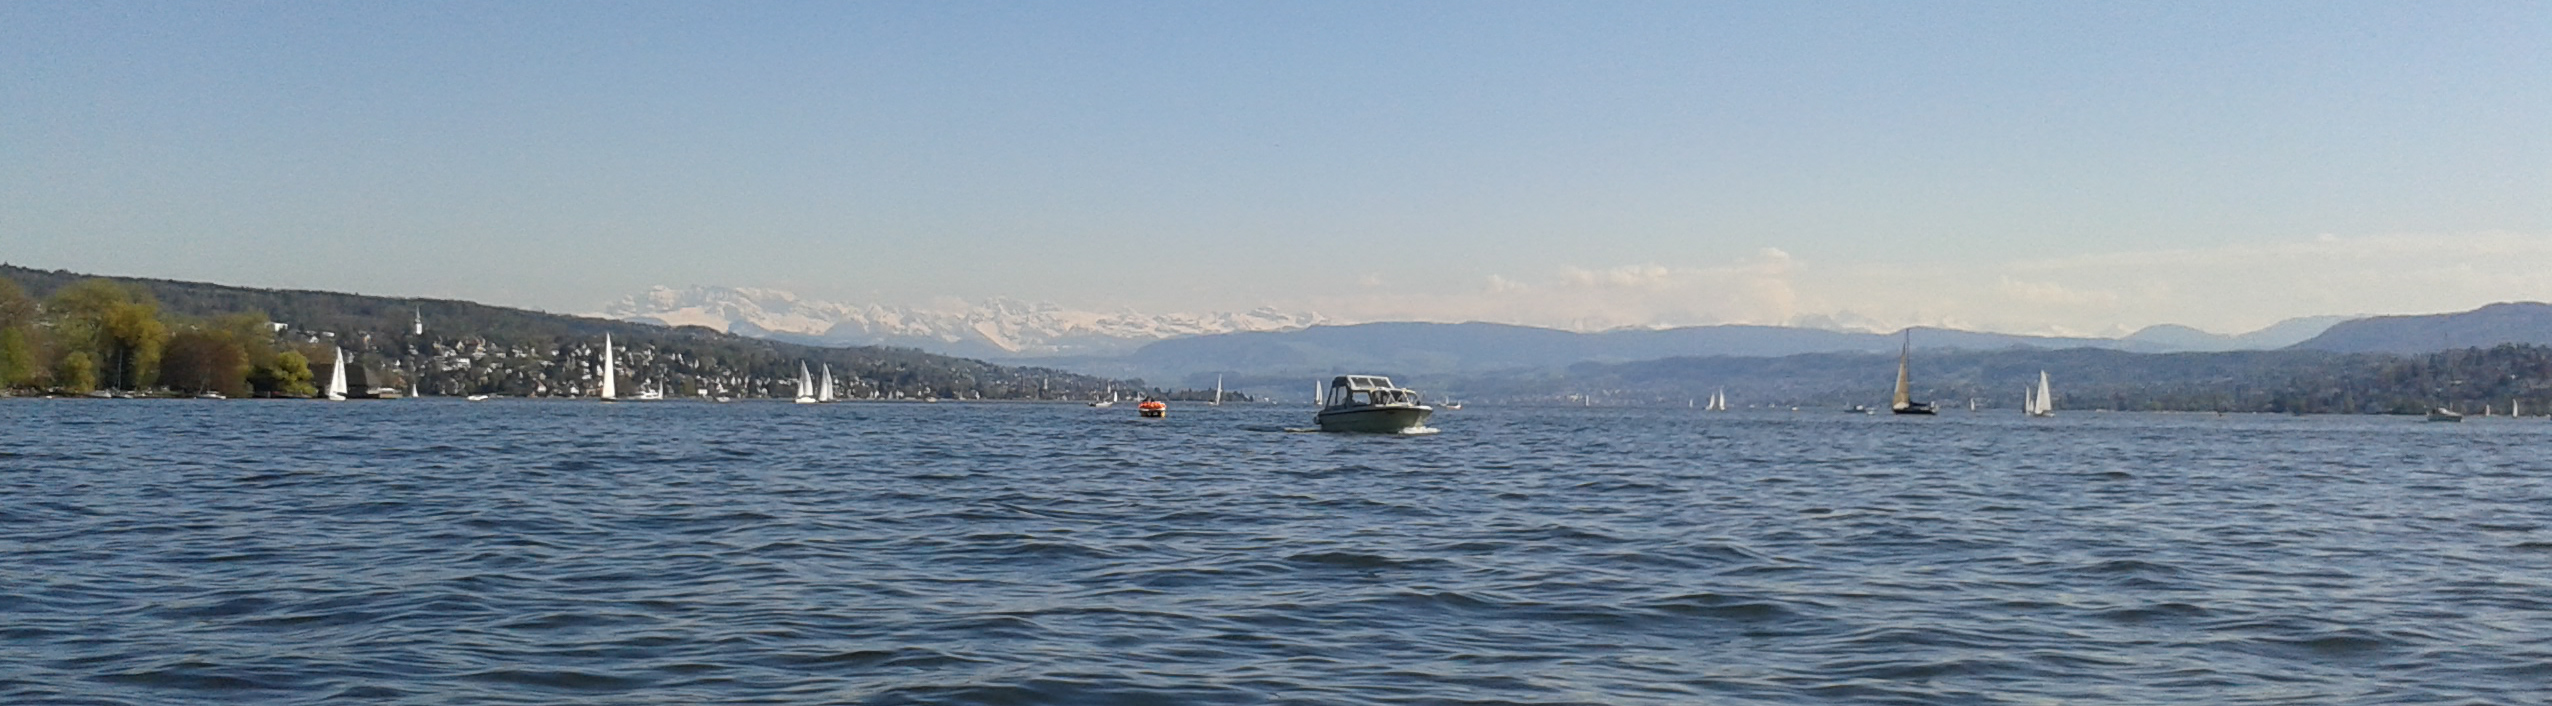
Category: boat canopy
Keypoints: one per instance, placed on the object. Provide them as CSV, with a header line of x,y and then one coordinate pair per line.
x,y
1361,382
1359,390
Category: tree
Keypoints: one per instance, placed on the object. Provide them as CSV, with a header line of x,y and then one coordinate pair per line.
x,y
16,308
116,324
77,374
287,374
203,360
20,366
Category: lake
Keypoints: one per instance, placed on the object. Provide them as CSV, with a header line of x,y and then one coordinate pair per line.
x,y
527,552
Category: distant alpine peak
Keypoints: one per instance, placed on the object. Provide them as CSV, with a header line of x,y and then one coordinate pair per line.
x,y
997,326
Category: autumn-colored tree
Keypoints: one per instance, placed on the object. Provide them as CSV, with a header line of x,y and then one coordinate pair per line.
x,y
117,325
205,360
288,373
76,374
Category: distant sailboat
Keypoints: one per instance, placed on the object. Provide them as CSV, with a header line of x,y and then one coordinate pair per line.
x,y
1718,401
2042,403
337,378
825,393
1218,392
806,385
611,373
1904,402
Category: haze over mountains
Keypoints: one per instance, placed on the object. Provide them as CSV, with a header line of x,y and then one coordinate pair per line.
x,y
1168,346
994,328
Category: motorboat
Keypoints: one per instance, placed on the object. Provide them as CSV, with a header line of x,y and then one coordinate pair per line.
x,y
1370,403
2442,414
1154,409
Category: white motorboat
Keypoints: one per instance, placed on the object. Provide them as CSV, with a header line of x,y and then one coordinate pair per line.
x,y
1370,403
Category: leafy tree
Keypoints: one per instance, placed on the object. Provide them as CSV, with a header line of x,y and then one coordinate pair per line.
x,y
20,366
118,324
288,373
206,360
16,308
77,374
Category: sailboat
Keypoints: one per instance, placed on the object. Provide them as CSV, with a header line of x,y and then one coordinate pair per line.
x,y
2040,403
1904,402
611,373
825,393
1109,402
806,385
337,378
1218,392
1718,401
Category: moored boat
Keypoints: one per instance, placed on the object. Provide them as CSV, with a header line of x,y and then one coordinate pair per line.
x,y
1370,403
1153,408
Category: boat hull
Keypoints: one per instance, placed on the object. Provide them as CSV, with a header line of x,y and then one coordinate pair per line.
x,y
1913,408
1374,420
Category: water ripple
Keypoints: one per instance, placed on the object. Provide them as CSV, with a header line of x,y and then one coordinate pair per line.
x,y
561,553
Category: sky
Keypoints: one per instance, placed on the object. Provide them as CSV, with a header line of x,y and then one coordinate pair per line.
x,y
2027,167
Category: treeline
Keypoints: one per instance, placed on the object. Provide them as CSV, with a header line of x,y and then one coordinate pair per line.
x,y
101,334
2305,382
68,333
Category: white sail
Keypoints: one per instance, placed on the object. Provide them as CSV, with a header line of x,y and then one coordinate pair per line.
x,y
806,385
2043,402
1218,391
611,372
1904,388
337,377
824,393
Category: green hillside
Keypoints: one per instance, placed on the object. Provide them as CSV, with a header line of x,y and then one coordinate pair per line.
x,y
70,332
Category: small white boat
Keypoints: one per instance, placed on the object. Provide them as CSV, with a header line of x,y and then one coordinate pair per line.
x,y
478,398
2442,414
1718,401
806,386
824,392
1370,403
1109,402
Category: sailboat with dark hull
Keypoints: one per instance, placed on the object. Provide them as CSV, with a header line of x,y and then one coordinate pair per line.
x,y
1904,401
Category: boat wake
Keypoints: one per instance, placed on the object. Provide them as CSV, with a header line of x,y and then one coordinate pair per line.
x,y
1412,431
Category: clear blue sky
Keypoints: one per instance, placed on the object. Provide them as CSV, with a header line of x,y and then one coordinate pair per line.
x,y
2020,166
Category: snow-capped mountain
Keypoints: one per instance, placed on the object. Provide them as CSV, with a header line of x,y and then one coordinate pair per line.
x,y
996,328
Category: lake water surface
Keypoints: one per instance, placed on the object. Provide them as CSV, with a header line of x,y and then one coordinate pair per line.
x,y
515,552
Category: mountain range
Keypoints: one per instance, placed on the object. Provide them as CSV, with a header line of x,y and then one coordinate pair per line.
x,y
997,328
1273,351
1003,328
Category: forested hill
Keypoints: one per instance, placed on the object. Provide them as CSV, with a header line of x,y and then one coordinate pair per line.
x,y
2084,378
471,348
